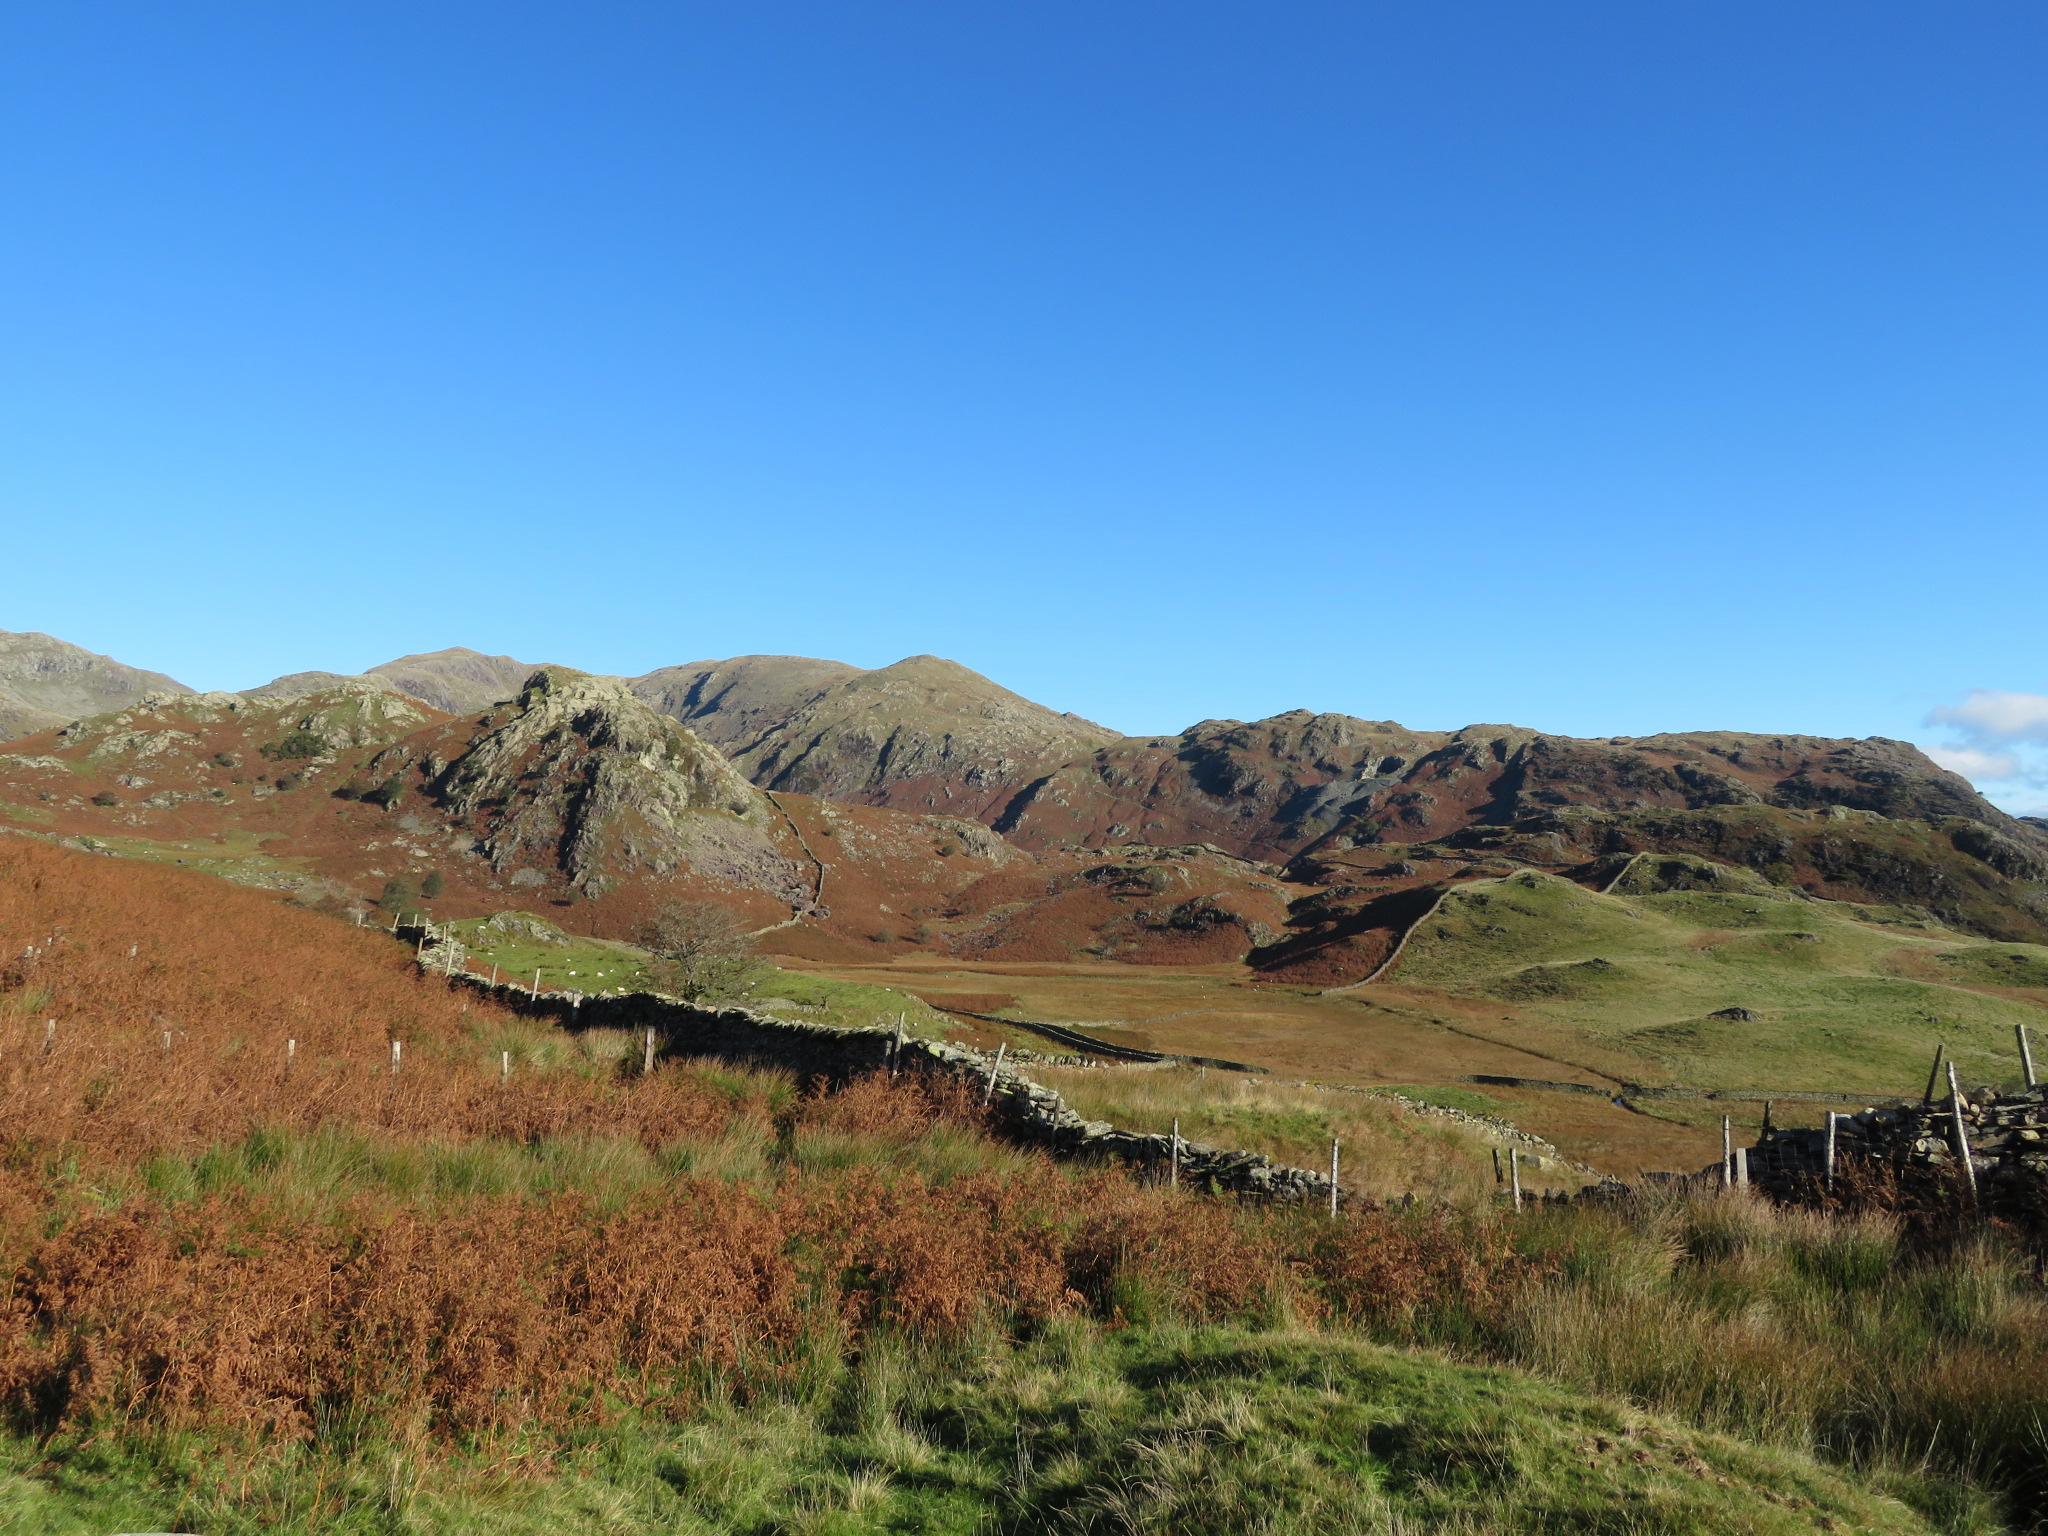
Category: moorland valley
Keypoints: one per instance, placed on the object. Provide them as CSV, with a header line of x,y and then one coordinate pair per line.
x,y
263,1278
1344,900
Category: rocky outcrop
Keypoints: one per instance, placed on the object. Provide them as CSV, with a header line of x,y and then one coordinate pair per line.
x,y
165,730
46,682
578,776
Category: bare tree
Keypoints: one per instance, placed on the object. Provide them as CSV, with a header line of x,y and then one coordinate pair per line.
x,y
702,952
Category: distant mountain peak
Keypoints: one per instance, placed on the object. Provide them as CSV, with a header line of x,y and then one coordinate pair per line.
x,y
923,733
457,680
46,682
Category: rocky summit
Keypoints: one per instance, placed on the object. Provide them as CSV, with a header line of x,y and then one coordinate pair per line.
x,y
577,773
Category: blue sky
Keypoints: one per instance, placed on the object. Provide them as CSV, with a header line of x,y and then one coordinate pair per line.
x,y
1604,368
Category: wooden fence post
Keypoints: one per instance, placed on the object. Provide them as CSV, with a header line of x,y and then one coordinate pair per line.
x,y
396,1048
1962,1133
1173,1157
1727,1152
1333,1178
291,1049
49,1036
1515,1176
1934,1072
1831,1152
167,1045
989,1097
504,1066
647,1055
2026,1055
1742,1168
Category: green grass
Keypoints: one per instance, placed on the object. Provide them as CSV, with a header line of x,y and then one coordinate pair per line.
x,y
577,964
1207,1432
604,966
1470,1100
1387,1151
1846,999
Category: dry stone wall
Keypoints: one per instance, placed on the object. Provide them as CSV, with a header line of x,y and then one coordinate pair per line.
x,y
2006,1136
1027,1111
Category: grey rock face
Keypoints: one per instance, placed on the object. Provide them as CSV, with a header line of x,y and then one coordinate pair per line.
x,y
732,704
580,774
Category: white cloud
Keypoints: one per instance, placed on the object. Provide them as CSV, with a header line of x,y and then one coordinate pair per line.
x,y
1974,763
1990,718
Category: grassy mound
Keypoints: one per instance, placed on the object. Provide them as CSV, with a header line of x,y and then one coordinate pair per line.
x,y
1202,1432
1836,996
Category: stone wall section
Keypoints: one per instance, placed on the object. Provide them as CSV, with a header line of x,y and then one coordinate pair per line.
x,y
1023,1109
2006,1134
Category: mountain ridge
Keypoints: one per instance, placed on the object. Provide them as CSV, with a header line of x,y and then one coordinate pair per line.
x,y
46,682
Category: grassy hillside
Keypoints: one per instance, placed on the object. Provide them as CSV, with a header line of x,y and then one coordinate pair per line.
x,y
1736,983
339,1298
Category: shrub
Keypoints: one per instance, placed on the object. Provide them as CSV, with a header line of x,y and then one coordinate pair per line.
x,y
400,893
387,794
298,744
106,797
432,886
702,952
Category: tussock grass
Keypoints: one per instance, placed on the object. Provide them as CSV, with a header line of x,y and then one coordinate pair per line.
x,y
1832,1333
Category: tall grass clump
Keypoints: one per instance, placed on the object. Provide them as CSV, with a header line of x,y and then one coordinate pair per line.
x,y
1834,1332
